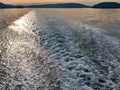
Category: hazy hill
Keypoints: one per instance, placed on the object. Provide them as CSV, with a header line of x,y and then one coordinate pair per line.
x,y
2,5
107,5
63,5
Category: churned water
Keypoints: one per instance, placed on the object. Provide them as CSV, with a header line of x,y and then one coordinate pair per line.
x,y
61,49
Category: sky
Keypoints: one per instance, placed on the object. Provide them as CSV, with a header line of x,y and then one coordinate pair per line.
x,y
55,1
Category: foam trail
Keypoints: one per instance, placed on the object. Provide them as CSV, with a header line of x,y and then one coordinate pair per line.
x,y
44,51
28,64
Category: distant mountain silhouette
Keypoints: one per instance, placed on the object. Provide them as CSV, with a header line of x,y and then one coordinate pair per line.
x,y
2,5
107,5
62,5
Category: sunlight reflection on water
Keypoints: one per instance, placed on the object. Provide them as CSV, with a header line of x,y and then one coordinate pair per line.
x,y
50,49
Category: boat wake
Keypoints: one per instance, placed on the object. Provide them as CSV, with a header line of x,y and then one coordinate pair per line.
x,y
45,51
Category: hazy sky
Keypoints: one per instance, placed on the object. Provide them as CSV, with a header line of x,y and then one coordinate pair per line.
x,y
51,1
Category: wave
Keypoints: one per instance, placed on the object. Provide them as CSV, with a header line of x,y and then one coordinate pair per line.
x,y
46,51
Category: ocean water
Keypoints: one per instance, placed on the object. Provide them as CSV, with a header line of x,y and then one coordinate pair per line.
x,y
7,16
60,49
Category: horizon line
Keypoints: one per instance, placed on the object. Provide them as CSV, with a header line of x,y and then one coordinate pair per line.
x,y
49,3
43,3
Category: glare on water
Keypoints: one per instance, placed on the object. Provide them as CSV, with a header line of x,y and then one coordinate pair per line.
x,y
56,49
